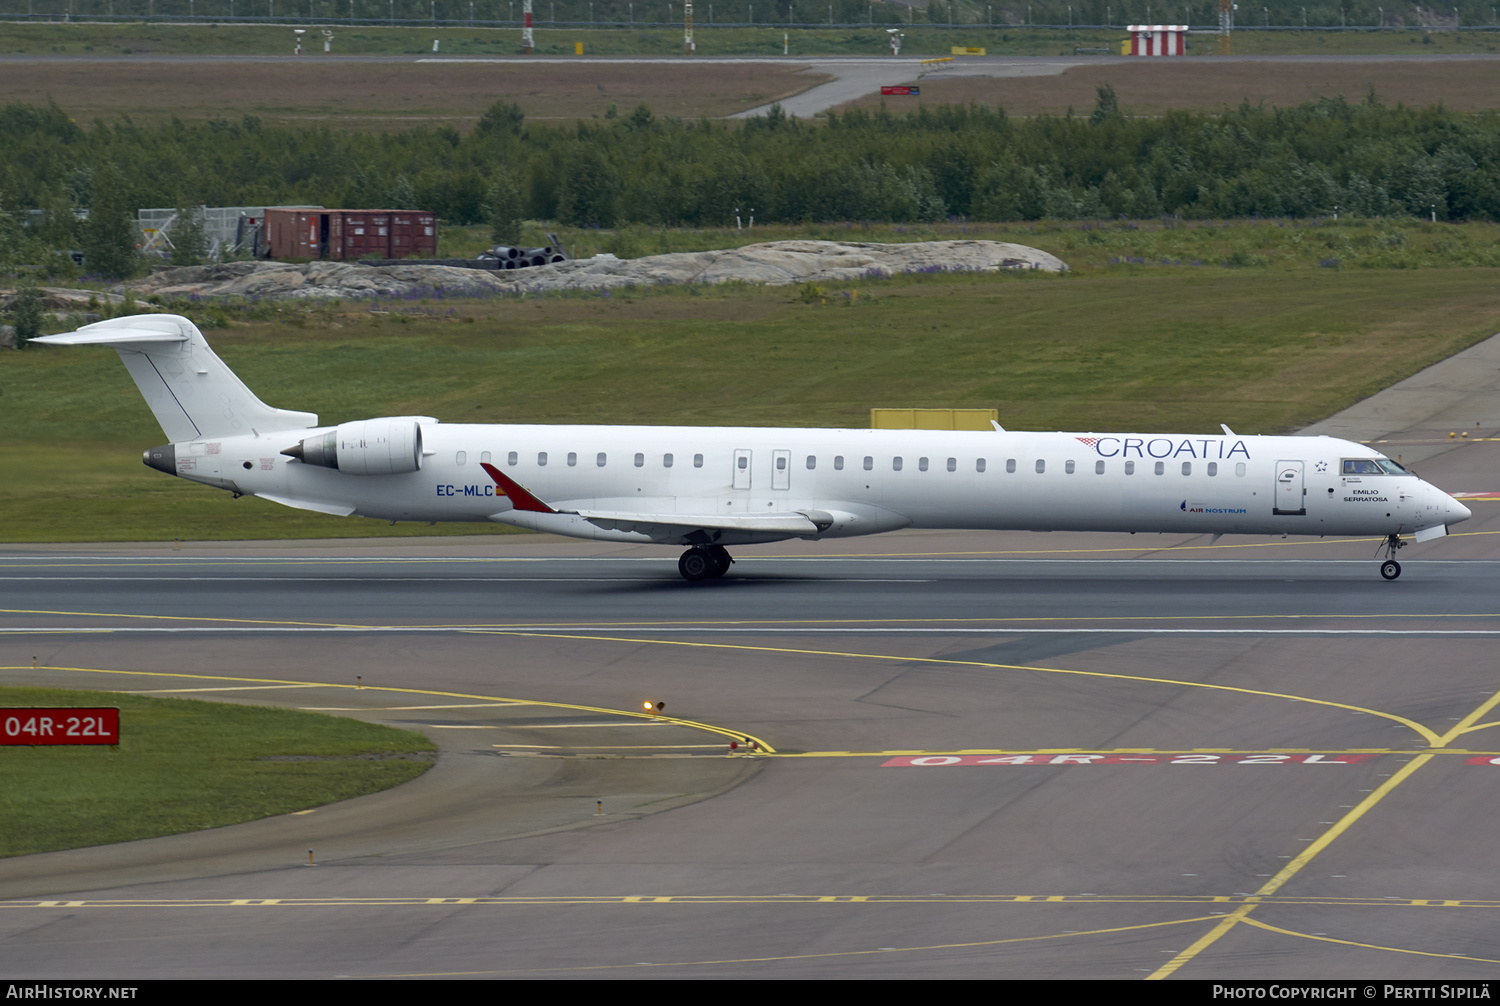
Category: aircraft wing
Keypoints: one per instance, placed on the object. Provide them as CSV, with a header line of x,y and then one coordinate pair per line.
x,y
675,525
336,509
670,526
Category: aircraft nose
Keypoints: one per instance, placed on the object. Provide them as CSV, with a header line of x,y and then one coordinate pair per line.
x,y
1457,511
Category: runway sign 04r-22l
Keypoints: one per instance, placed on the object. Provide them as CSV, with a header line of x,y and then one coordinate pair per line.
x,y
33,726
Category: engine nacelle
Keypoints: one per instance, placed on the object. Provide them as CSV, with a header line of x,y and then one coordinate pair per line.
x,y
367,447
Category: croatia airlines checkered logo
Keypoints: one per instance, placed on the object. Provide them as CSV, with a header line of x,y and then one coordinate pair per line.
x,y
1088,441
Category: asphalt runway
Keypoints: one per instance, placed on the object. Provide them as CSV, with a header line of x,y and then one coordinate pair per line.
x,y
959,754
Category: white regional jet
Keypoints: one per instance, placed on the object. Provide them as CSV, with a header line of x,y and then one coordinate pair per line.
x,y
709,487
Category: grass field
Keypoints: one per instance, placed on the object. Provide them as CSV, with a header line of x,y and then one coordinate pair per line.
x,y
183,766
1151,87
1138,347
397,95
66,63
1087,246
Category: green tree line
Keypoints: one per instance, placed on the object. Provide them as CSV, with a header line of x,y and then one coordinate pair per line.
x,y
1320,158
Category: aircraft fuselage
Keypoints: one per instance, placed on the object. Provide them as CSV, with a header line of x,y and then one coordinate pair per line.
x,y
870,480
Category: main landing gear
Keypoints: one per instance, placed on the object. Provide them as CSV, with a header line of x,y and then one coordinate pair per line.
x,y
704,562
1390,569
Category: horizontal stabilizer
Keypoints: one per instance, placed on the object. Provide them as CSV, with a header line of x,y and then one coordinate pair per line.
x,y
113,337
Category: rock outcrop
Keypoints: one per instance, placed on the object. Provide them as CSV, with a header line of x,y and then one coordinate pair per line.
x,y
777,263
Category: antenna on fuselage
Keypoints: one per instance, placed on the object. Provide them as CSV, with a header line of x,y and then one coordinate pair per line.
x,y
996,424
1227,431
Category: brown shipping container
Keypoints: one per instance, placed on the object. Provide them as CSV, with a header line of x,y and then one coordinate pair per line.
x,y
350,234
306,233
334,243
281,233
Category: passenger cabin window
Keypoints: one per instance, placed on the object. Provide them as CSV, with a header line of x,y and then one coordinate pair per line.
x,y
953,464
869,464
1130,468
1069,467
1041,466
1213,468
697,461
541,459
1187,468
1010,465
484,456
838,462
895,464
1098,467
640,460
601,459
781,464
1161,468
979,464
742,462
666,461
572,459
921,464
812,462
462,457
513,458
1239,469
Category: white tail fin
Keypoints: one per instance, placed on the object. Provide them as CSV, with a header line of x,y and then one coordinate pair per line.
x,y
193,394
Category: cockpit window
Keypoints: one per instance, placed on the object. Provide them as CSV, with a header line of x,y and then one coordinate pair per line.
x,y
1372,466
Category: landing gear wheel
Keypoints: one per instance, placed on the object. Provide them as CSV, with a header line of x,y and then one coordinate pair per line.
x,y
696,564
721,559
1390,569
704,562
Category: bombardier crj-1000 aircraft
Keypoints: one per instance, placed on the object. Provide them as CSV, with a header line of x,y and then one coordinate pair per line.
x,y
711,487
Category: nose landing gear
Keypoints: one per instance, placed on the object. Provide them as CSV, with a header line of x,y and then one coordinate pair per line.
x,y
1390,569
704,562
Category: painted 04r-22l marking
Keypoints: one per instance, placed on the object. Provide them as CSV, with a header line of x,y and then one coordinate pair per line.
x,y
951,761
